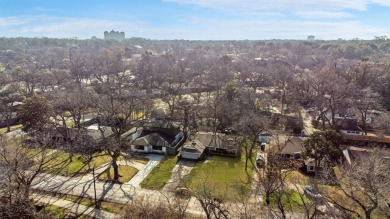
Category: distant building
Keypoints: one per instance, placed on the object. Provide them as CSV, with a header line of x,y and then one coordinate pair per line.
x,y
114,35
311,37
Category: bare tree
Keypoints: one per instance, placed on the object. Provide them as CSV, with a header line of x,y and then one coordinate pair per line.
x,y
365,102
145,208
21,163
364,184
212,204
251,125
9,94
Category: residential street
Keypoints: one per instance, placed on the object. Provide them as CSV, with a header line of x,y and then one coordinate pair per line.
x,y
74,208
118,193
308,126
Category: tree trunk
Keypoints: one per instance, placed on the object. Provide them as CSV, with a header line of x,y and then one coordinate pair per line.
x,y
115,157
367,214
267,198
246,158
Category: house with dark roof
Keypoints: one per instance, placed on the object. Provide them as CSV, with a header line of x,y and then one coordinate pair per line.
x,y
349,127
352,153
155,136
61,136
287,147
265,137
210,143
193,150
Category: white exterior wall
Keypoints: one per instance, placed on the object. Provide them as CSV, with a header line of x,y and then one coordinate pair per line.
x,y
144,150
187,155
346,132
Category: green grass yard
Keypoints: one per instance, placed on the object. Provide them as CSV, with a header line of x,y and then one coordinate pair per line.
x,y
297,177
225,175
13,128
160,174
60,163
292,201
127,172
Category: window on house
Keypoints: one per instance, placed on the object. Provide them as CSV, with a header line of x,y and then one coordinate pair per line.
x,y
157,148
311,168
139,147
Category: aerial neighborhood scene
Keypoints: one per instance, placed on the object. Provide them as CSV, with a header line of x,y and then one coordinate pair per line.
x,y
194,109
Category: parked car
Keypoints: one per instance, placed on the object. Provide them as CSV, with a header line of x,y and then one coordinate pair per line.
x,y
311,193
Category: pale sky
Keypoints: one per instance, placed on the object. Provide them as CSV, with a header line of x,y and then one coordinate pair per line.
x,y
197,19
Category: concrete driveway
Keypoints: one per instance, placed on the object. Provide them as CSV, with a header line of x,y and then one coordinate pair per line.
x,y
182,168
154,159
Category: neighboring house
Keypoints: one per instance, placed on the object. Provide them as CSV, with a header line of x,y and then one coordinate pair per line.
x,y
155,136
351,153
8,119
310,166
265,137
193,150
288,147
211,143
349,127
160,113
9,115
92,133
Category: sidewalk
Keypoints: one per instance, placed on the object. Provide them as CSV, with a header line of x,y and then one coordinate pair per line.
x,y
117,193
75,208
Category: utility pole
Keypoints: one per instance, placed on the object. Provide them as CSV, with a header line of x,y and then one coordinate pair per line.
x,y
94,183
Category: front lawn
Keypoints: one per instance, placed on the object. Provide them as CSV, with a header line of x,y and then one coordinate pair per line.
x,y
225,175
296,177
140,159
291,200
65,164
160,174
13,128
126,172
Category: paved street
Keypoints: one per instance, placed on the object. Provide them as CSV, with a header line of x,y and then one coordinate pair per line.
x,y
118,193
74,208
308,126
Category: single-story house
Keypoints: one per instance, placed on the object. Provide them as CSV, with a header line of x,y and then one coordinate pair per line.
x,y
310,166
7,118
192,150
349,127
351,153
288,147
265,137
155,136
69,134
210,142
